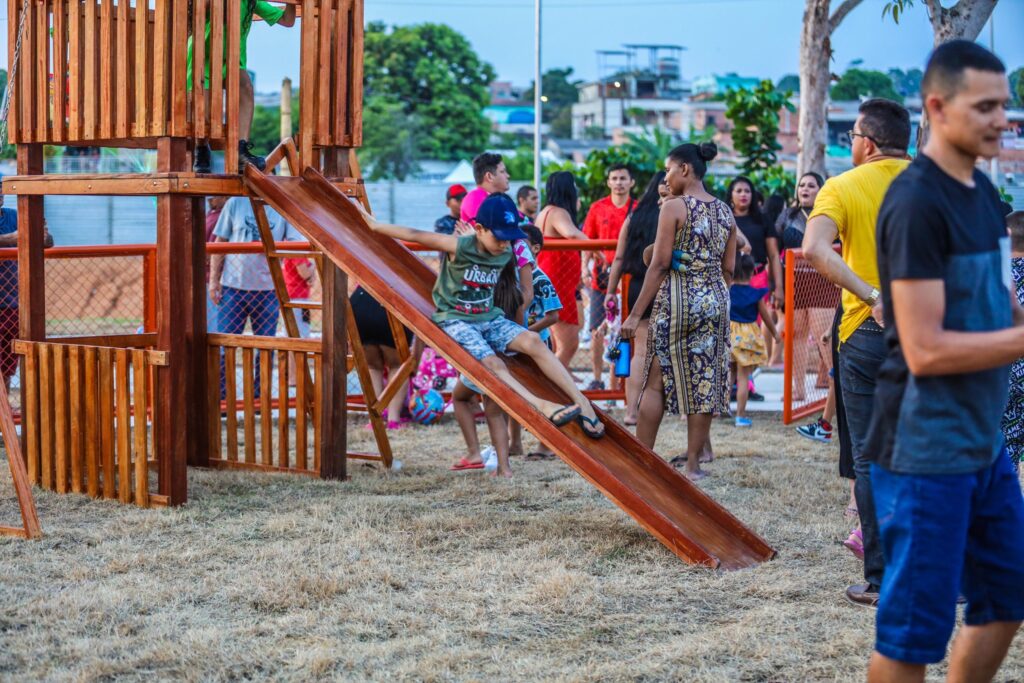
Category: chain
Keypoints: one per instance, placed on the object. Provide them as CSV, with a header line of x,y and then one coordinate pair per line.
x,y
11,75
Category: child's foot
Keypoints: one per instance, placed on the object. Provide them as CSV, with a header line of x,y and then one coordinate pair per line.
x,y
743,421
695,475
592,427
706,456
515,449
561,415
855,543
630,421
504,474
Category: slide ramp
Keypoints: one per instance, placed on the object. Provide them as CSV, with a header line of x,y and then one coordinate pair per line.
x,y
651,491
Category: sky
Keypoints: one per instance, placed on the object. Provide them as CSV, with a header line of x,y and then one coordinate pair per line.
x,y
750,37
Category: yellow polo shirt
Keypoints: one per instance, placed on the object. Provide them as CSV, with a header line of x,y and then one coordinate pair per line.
x,y
852,200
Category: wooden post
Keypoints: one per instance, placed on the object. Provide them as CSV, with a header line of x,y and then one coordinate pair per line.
x,y
332,384
180,427
31,280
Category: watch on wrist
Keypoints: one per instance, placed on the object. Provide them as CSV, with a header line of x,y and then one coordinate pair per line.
x,y
873,297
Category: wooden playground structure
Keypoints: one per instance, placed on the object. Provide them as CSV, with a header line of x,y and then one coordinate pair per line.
x,y
101,413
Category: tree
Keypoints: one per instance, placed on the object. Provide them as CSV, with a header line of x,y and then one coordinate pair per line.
x,y
430,72
964,20
755,115
391,140
266,128
560,94
858,83
907,84
789,82
815,53
1017,86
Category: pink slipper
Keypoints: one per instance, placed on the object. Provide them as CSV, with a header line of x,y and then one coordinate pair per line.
x,y
855,543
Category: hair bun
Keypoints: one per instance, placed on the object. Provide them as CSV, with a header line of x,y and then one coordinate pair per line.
x,y
707,150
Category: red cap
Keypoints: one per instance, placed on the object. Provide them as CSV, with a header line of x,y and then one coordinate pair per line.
x,y
456,192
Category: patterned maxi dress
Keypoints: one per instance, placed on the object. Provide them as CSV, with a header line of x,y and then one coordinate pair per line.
x,y
689,328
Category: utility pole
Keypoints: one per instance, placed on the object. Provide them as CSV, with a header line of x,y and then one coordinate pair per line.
x,y
994,167
537,95
286,115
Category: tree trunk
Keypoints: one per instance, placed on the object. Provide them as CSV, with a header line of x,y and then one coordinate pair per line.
x,y
964,20
815,78
814,82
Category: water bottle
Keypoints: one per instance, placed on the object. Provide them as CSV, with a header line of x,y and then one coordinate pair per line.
x,y
622,359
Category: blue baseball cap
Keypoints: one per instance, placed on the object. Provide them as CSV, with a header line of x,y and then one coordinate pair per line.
x,y
498,213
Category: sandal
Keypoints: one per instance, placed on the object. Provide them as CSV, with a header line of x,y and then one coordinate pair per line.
x,y
535,456
564,415
855,543
590,426
851,512
678,461
464,464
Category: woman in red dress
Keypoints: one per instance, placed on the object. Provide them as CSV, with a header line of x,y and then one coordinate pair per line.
x,y
563,267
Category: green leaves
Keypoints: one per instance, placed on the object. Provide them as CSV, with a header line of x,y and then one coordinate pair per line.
x,y
755,115
432,73
391,139
896,9
858,83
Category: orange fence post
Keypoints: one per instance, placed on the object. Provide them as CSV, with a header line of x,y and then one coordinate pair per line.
x,y
787,348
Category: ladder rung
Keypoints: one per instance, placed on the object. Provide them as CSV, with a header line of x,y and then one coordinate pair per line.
x,y
303,303
288,253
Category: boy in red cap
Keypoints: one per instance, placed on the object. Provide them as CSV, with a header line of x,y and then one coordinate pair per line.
x,y
445,225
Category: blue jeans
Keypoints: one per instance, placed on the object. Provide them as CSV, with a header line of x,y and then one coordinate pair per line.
x,y
860,358
945,535
257,307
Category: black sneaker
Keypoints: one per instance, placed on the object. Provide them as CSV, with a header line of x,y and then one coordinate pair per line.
x,y
596,385
754,396
202,161
245,156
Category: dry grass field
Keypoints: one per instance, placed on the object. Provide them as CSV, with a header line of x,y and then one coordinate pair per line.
x,y
428,575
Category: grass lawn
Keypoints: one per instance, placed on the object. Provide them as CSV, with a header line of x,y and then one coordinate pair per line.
x,y
431,575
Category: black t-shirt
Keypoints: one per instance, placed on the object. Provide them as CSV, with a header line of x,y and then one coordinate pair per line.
x,y
757,233
933,227
445,225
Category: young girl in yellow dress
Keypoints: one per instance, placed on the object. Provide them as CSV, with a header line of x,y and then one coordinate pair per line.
x,y
748,348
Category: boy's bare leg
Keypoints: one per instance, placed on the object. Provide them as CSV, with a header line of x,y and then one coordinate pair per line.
x,y
246,104
652,407
742,389
497,425
529,343
498,367
462,404
979,650
515,438
885,670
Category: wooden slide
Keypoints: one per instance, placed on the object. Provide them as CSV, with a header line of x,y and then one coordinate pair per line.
x,y
650,490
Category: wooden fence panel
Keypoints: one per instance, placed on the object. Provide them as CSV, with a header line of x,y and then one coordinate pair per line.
x,y
46,415
122,377
231,396
107,444
75,384
92,417
141,400
60,418
30,417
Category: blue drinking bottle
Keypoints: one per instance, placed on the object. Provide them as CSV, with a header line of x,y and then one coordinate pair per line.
x,y
623,359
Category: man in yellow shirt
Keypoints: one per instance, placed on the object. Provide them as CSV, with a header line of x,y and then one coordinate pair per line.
x,y
847,208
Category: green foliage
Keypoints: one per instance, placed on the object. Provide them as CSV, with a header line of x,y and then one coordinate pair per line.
x,y
266,129
520,164
561,94
430,72
755,115
391,140
858,83
906,83
1017,86
896,9
789,82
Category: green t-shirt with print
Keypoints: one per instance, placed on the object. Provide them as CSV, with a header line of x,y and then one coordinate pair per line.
x,y
269,13
465,286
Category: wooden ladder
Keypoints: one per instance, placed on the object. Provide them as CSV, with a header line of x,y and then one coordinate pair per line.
x,y
22,487
356,359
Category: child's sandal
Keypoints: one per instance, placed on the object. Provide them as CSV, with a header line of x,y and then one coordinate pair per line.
x,y
564,415
590,426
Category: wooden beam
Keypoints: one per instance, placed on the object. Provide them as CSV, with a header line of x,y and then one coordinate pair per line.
x,y
31,231
333,384
144,185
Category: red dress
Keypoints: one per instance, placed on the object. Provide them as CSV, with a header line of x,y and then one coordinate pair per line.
x,y
563,269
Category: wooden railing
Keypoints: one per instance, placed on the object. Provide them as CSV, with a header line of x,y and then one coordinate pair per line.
x,y
263,411
113,72
86,419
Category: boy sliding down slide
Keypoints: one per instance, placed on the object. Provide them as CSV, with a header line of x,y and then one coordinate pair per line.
x,y
464,296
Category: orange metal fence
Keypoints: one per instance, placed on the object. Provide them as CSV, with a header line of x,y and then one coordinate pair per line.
x,y
811,302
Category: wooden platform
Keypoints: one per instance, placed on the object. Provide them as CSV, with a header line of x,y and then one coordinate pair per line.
x,y
142,184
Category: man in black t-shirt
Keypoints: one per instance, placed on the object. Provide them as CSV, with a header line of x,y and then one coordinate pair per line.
x,y
453,200
948,503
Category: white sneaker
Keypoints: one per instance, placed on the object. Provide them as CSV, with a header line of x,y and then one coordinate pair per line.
x,y
490,458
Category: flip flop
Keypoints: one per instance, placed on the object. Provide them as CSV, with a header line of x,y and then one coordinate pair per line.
x,y
464,464
678,461
564,415
537,455
590,426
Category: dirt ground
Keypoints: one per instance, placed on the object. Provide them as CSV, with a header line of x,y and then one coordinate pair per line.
x,y
429,575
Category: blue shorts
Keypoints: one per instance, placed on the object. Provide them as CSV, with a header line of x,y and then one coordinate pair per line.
x,y
468,383
483,339
945,535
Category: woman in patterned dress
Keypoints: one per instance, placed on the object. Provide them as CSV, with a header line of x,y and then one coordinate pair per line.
x,y
689,326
